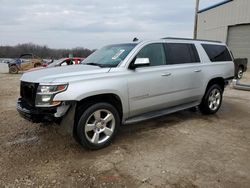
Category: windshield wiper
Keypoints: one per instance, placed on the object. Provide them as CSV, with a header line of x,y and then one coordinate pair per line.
x,y
94,64
100,65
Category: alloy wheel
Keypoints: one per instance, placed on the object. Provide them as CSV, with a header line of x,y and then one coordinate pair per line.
x,y
240,73
214,99
99,126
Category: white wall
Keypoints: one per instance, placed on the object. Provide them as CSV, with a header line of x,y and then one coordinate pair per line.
x,y
213,24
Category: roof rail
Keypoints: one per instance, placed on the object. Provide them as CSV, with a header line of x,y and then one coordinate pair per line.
x,y
191,39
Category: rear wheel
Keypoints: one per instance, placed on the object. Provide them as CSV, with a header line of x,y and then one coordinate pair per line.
x,y
13,69
37,65
212,100
98,125
240,73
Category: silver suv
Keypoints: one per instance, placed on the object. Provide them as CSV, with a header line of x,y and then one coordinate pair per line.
x,y
127,83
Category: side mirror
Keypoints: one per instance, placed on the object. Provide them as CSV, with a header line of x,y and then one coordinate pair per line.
x,y
140,62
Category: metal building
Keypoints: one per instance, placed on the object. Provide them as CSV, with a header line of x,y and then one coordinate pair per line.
x,y
229,22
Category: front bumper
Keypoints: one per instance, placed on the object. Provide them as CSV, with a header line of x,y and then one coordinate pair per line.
x,y
39,115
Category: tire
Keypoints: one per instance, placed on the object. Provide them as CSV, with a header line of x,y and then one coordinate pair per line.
x,y
240,73
100,132
13,69
212,100
37,65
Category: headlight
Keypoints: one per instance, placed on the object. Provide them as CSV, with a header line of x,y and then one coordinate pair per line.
x,y
48,89
46,93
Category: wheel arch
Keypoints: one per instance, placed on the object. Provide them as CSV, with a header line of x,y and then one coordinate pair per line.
x,y
36,64
243,68
111,98
84,103
14,64
218,80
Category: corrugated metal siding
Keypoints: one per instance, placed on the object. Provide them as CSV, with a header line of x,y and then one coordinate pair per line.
x,y
239,41
213,24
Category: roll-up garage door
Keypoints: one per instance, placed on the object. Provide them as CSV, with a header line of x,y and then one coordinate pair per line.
x,y
239,41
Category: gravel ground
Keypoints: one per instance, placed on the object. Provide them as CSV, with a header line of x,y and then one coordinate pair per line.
x,y
184,149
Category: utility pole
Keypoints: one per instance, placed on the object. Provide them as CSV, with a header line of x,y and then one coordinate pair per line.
x,y
196,18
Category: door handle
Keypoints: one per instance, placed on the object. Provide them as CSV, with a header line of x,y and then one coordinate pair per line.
x,y
166,74
199,70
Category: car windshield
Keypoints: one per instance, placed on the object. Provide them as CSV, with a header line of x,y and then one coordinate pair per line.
x,y
109,56
56,62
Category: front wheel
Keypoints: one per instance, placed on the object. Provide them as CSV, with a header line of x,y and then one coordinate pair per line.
x,y
13,69
98,125
212,100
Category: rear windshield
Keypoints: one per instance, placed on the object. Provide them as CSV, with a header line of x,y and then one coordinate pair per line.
x,y
217,53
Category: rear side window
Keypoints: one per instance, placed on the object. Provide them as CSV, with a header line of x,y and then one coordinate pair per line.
x,y
217,53
179,53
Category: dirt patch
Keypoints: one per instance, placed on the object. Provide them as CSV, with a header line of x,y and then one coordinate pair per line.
x,y
184,149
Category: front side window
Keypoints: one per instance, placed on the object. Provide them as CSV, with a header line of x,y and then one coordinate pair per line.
x,y
180,53
155,53
109,56
217,53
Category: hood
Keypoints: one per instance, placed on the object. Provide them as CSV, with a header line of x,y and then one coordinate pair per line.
x,y
62,74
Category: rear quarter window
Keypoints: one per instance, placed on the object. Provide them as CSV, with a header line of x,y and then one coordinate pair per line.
x,y
217,53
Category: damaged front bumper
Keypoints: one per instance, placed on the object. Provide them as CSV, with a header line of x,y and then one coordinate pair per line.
x,y
45,114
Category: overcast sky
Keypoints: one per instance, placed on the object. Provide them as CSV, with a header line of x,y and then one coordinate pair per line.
x,y
94,23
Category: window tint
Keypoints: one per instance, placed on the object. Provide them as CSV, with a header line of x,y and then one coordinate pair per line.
x,y
217,52
155,53
178,53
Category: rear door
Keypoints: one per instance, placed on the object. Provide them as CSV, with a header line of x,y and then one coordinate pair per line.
x,y
187,73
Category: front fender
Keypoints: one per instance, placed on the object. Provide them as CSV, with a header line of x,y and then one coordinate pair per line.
x,y
80,91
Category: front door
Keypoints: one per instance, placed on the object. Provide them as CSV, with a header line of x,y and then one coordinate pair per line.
x,y
148,86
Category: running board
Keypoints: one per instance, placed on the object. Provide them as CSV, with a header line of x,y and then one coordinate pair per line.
x,y
160,113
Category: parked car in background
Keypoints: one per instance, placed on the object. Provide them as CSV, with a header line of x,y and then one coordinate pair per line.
x,y
7,61
59,62
65,61
24,63
46,62
240,67
127,83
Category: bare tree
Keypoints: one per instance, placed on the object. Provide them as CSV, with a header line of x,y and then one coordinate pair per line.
x,y
42,51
